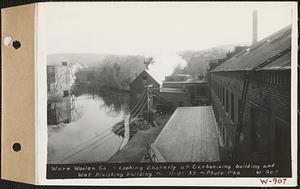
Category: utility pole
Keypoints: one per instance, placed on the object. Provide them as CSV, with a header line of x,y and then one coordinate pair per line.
x,y
93,83
148,103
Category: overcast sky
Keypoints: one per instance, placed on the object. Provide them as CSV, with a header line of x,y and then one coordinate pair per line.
x,y
145,28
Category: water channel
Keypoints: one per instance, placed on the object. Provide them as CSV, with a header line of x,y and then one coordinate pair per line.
x,y
86,136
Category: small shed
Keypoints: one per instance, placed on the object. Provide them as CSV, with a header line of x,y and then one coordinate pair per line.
x,y
190,135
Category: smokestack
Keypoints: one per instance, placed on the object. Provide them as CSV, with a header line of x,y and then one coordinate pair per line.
x,y
254,27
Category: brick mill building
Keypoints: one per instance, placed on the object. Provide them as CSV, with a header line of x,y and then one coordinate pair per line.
x,y
254,85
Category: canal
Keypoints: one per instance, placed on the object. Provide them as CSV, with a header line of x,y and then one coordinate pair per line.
x,y
86,136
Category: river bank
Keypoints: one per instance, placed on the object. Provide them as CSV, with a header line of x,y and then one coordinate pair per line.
x,y
135,149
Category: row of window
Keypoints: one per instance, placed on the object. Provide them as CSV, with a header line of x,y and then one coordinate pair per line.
x,y
198,91
226,98
274,79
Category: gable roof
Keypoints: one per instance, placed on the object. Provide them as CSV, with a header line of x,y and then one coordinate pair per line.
x,y
153,76
140,75
273,48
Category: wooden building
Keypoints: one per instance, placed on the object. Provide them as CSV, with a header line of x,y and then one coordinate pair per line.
x,y
255,83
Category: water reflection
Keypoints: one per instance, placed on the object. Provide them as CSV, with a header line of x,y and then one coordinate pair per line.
x,y
114,100
83,131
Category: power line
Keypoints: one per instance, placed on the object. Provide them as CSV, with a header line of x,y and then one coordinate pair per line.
x,y
140,108
72,155
73,148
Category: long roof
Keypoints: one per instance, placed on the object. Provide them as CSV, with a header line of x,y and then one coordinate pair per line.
x,y
264,50
190,135
188,81
172,90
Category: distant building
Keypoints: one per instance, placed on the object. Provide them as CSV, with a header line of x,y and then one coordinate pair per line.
x,y
84,76
177,90
215,62
58,80
59,110
178,97
178,77
263,72
196,89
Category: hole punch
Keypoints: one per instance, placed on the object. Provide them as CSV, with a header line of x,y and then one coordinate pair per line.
x,y
16,147
7,40
16,44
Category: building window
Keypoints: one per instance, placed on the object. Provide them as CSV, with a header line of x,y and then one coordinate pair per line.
x,y
223,95
226,105
232,107
222,134
198,91
48,86
90,76
265,79
279,80
239,106
218,90
66,93
201,91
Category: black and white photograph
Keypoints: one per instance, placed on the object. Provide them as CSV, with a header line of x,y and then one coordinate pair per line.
x,y
163,83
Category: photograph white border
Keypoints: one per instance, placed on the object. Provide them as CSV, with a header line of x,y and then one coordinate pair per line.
x,y
41,122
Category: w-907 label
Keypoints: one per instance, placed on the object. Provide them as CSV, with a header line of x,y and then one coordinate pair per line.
x,y
273,181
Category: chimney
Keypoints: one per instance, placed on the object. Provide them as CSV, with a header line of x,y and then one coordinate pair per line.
x,y
254,27
147,62
146,65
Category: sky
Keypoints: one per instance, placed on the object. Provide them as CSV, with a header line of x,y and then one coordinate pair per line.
x,y
149,28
